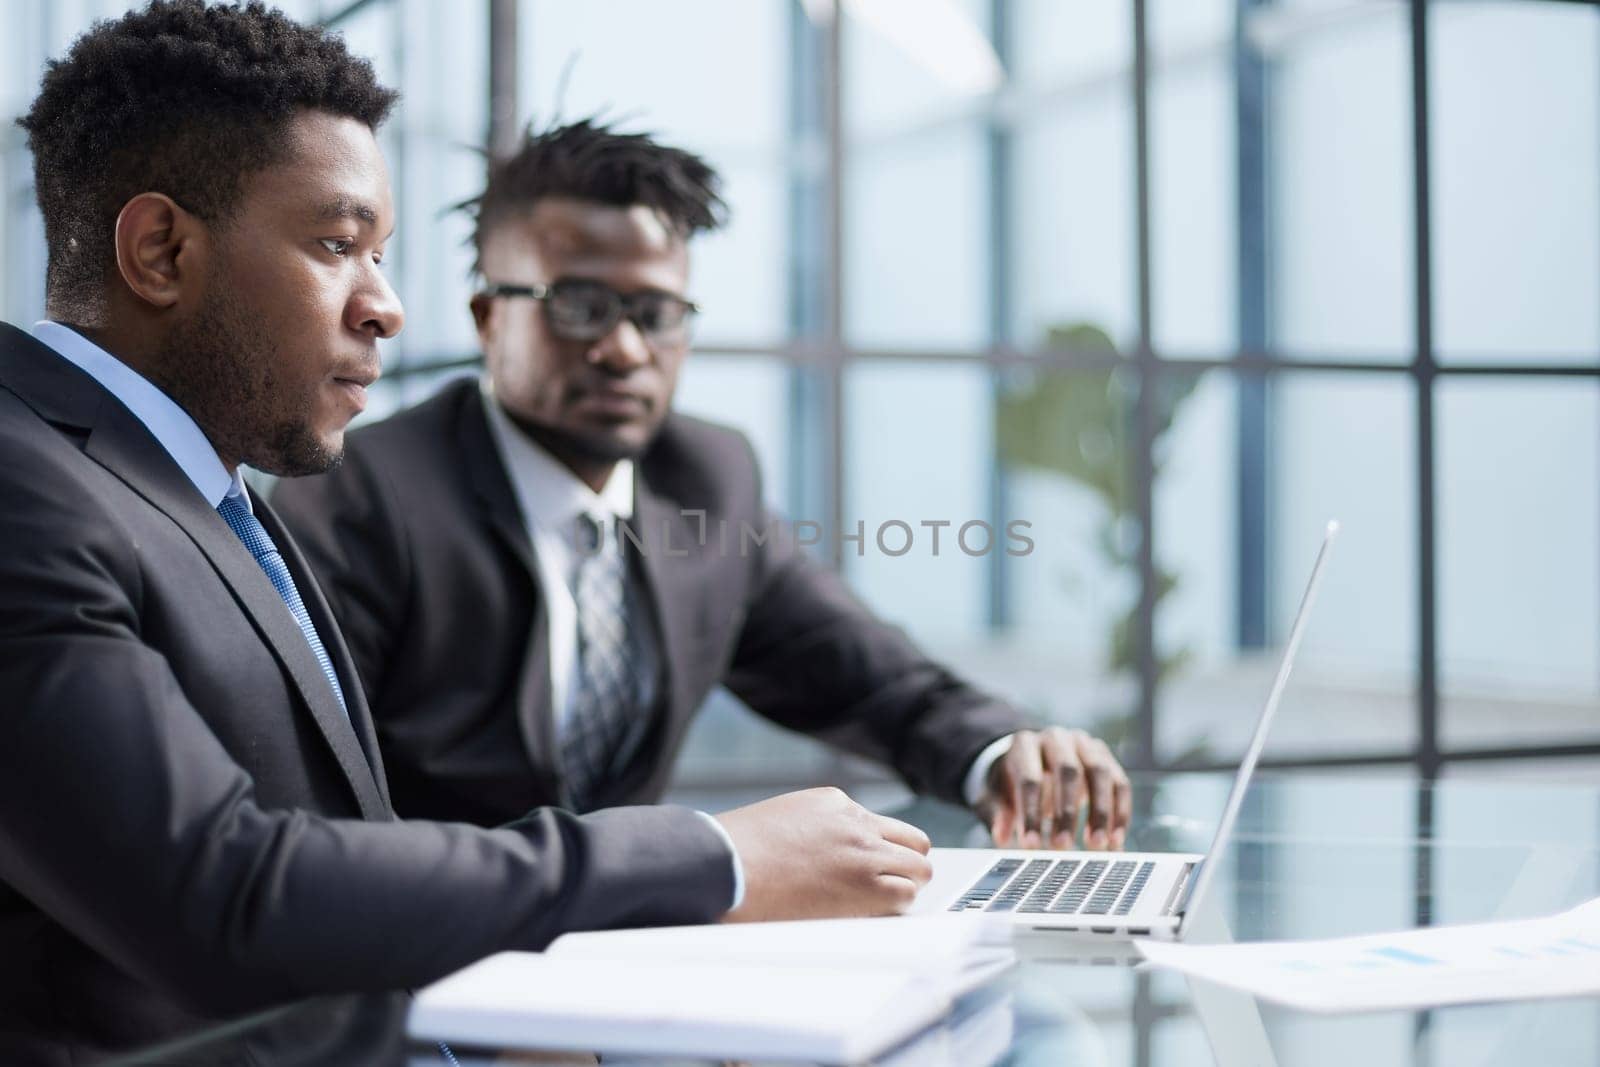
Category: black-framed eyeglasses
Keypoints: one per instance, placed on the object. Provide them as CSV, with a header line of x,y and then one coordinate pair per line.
x,y
581,310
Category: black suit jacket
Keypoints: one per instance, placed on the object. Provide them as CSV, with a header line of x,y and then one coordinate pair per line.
x,y
420,545
189,825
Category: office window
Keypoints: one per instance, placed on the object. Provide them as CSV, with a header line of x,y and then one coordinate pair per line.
x,y
1057,45
431,141
1073,223
1519,575
1207,697
1517,154
1340,156
1194,183
668,69
18,80
738,273
1071,214
751,394
1070,603
914,167
900,477
374,31
1354,686
915,248
1345,450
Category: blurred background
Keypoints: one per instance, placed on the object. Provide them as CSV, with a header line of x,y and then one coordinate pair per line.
x,y
1173,282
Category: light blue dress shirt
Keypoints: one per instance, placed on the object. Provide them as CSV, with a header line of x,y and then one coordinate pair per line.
x,y
169,424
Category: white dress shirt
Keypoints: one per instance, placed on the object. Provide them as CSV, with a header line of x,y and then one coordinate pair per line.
x,y
978,773
551,498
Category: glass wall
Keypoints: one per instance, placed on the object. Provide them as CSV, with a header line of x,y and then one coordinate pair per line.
x,y
1171,283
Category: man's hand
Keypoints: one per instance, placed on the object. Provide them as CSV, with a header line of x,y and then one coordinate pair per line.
x,y
1043,784
817,854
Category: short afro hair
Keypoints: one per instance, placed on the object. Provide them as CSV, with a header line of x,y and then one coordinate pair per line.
x,y
589,160
178,98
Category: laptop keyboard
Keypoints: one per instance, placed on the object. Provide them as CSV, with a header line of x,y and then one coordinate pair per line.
x,y
1058,887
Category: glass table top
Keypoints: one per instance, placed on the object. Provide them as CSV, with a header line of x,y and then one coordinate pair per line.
x,y
1316,855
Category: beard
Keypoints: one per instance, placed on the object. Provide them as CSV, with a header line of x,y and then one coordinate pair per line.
x,y
591,446
221,367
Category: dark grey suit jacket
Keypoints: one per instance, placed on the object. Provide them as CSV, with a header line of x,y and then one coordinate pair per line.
x,y
189,825
420,545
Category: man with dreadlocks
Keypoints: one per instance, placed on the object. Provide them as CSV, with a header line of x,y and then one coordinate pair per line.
x,y
542,574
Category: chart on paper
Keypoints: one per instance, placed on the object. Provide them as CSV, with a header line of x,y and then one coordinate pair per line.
x,y
1556,956
1492,954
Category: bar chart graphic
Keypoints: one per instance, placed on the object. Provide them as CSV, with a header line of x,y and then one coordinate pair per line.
x,y
1555,956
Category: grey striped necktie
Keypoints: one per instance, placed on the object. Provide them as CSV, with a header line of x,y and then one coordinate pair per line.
x,y
605,703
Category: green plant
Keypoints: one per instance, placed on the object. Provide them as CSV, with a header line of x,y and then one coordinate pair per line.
x,y
1081,425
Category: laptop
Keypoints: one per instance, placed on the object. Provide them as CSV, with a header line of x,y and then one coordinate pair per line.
x,y
1106,895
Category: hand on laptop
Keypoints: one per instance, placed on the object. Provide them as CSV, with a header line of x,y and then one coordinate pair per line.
x,y
1047,782
817,854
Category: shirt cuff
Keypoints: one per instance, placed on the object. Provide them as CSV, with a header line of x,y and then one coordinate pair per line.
x,y
738,868
978,773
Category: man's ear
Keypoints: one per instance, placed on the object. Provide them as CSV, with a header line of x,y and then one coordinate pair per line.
x,y
482,315
159,246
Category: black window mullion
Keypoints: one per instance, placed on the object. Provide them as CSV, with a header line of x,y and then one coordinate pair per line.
x,y
1144,753
999,150
1424,370
1250,103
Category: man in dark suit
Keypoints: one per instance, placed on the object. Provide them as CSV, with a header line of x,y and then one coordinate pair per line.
x,y
194,816
500,556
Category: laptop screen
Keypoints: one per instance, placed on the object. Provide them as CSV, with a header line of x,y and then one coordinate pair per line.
x,y
1258,741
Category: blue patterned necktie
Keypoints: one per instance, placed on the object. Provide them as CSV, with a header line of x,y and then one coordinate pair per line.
x,y
255,538
613,680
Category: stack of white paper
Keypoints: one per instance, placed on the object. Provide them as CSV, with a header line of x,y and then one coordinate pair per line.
x,y
1558,956
832,992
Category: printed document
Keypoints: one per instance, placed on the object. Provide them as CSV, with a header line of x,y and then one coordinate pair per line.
x,y
838,991
1556,956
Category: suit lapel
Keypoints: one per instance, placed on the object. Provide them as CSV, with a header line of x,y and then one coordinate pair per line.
x,y
59,392
666,535
360,716
120,443
485,469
